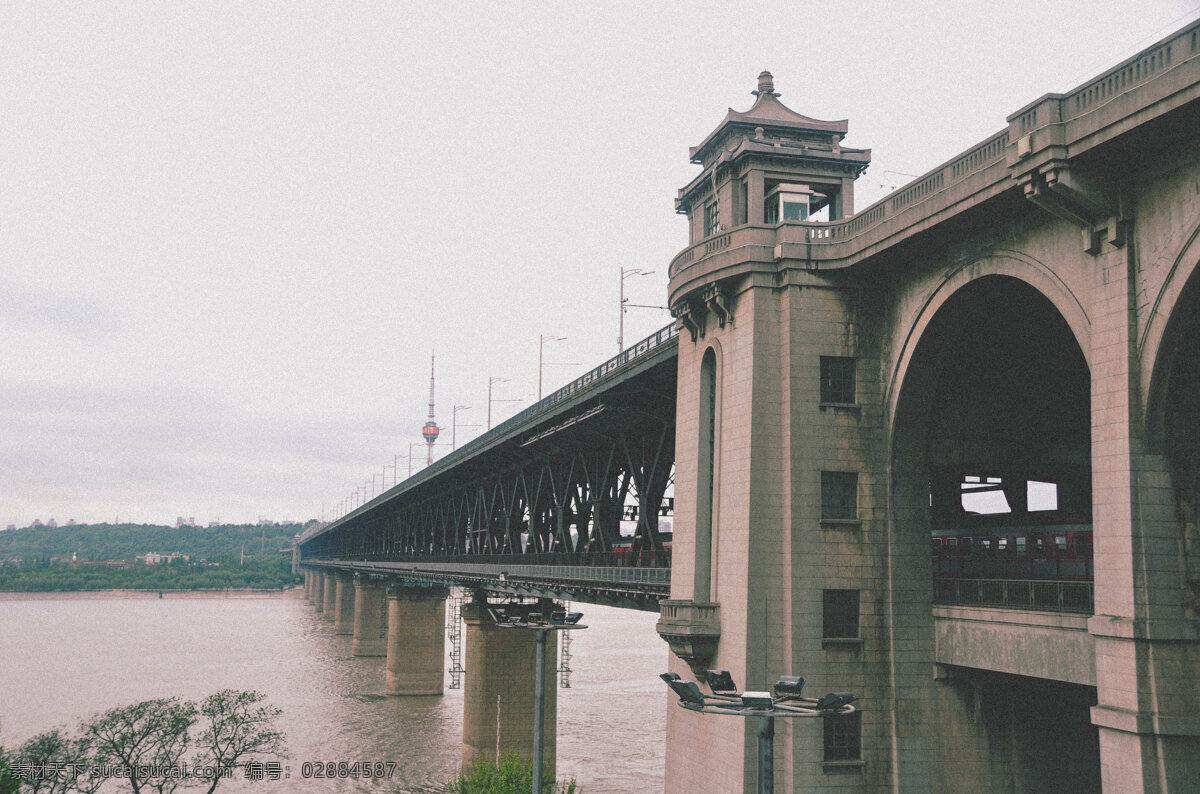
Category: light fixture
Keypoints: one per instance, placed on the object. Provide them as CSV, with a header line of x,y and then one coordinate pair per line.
x,y
835,700
690,696
574,617
789,686
757,700
720,682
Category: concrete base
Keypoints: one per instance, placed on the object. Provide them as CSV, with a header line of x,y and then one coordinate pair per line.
x,y
318,591
498,708
329,596
416,641
370,618
343,605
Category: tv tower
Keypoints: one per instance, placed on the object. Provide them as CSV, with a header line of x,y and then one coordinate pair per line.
x,y
430,430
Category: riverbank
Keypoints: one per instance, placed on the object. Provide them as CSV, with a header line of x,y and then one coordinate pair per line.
x,y
61,595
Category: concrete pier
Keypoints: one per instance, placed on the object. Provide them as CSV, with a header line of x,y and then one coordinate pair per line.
x,y
370,617
416,640
498,708
318,591
343,604
329,595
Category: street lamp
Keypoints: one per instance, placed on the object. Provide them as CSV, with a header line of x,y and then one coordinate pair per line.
x,y
557,620
454,425
542,340
410,457
637,271
491,381
785,701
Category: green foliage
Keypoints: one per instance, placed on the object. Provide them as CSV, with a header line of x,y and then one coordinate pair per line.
x,y
8,782
144,738
238,728
512,775
215,557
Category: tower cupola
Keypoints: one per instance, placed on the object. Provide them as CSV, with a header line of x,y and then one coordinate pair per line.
x,y
770,165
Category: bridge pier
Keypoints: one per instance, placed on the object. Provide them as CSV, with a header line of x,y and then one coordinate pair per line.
x,y
370,617
318,591
343,603
500,691
329,595
416,640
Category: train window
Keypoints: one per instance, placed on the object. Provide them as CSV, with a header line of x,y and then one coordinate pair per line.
x,y
1020,544
1041,496
951,541
1001,543
1083,545
1060,543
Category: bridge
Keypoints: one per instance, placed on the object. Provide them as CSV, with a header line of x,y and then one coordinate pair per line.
x,y
943,452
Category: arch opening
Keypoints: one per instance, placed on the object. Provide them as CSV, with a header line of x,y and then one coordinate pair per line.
x,y
994,438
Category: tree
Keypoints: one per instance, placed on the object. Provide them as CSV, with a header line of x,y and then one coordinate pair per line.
x,y
238,729
9,784
144,739
60,763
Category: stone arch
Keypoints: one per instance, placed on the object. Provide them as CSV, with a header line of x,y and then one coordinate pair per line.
x,y
997,263
950,406
1170,354
1162,323
708,477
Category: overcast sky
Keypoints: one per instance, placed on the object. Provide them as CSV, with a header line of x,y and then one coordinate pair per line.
x,y
232,233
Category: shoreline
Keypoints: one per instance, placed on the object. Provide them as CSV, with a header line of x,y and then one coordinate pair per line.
x,y
60,595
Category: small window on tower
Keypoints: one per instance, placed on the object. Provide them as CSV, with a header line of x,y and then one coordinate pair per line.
x,y
712,218
837,379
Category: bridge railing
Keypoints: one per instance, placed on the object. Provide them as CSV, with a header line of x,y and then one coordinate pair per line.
x,y
1037,594
649,558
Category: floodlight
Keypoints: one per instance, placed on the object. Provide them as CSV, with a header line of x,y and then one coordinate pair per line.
x,y
533,617
690,696
789,686
720,682
558,616
757,700
574,617
835,700
497,615
512,620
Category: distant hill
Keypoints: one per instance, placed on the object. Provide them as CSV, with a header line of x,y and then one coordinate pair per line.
x,y
91,542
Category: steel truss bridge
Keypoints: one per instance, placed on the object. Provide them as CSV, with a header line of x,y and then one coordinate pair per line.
x,y
534,506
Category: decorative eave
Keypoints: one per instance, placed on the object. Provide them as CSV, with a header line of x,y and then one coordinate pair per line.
x,y
770,114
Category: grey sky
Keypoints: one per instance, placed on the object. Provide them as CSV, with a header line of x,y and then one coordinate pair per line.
x,y
231,233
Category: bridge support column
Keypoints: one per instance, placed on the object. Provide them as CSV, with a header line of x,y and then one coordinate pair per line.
x,y
370,617
343,604
329,595
499,694
318,591
416,640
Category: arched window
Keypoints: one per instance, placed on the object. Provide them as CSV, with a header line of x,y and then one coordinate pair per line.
x,y
702,589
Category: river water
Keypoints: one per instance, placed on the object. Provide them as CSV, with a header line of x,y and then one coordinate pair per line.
x,y
66,657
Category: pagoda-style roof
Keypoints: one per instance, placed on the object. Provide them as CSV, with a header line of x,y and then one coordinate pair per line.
x,y
772,115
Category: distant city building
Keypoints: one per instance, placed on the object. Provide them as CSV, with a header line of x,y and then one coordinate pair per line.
x,y
11,526
37,522
70,522
153,558
180,521
52,523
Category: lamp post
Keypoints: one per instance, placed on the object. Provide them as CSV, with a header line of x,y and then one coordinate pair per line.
x,y
637,271
783,701
454,425
491,381
542,340
557,620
